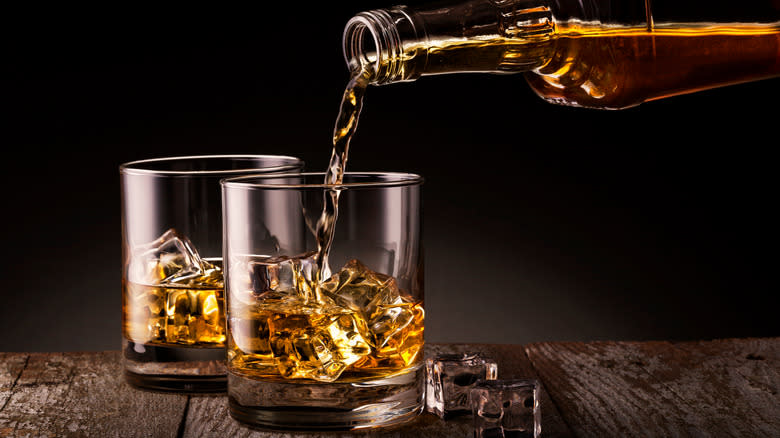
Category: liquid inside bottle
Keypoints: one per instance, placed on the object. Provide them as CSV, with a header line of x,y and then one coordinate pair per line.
x,y
621,67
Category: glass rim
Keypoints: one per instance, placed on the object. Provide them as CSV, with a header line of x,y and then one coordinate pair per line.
x,y
399,179
131,169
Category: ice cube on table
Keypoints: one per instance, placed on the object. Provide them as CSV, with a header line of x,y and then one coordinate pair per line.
x,y
449,378
171,259
506,408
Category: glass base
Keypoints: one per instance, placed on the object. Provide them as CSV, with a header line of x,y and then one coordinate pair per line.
x,y
174,369
205,384
326,406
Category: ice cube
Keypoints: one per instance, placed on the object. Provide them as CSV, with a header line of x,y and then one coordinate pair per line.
x,y
388,321
282,275
391,322
449,377
304,274
211,324
360,289
272,274
506,408
193,316
338,345
319,345
144,312
403,342
171,259
181,306
249,332
243,274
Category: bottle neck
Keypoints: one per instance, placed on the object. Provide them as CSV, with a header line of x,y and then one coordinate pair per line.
x,y
495,36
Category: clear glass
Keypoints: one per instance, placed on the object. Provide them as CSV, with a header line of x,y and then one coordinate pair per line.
x,y
173,326
607,54
342,354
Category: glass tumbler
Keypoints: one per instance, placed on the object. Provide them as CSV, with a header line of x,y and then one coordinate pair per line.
x,y
315,342
173,326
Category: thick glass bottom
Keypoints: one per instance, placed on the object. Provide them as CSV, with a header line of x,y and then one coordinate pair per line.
x,y
326,406
174,369
200,384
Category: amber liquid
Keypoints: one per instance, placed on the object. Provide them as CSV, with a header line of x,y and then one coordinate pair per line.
x,y
362,326
174,316
621,67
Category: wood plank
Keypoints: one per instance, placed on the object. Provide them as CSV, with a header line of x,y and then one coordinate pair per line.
x,y
736,379
208,416
11,366
650,389
45,369
84,394
601,390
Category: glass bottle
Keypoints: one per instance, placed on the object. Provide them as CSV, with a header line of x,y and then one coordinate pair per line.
x,y
608,54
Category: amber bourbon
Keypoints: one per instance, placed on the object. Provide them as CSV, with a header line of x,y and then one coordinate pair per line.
x,y
618,67
361,327
188,315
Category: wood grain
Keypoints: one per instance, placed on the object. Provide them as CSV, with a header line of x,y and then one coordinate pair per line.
x,y
11,366
83,394
657,389
731,379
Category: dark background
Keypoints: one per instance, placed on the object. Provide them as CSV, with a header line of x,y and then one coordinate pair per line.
x,y
541,222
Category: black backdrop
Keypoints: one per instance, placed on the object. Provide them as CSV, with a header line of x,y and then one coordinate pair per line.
x,y
541,222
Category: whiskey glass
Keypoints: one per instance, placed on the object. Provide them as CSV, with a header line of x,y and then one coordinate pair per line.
x,y
173,328
318,343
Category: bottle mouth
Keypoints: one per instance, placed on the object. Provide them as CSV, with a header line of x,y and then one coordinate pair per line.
x,y
375,40
360,42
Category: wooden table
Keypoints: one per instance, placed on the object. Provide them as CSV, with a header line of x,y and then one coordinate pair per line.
x,y
717,388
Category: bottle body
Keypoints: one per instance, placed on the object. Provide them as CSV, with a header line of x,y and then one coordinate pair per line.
x,y
620,68
607,54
